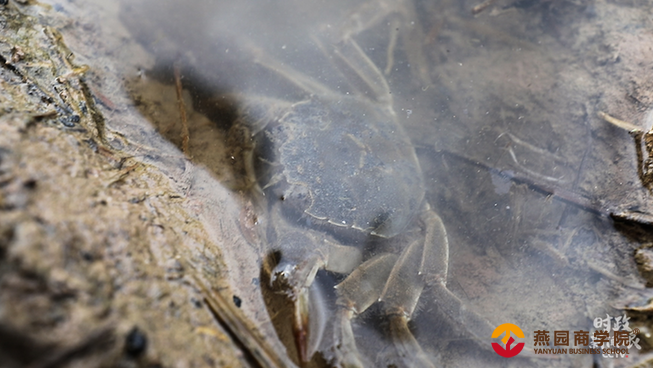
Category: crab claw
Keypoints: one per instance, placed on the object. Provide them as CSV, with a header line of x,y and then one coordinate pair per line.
x,y
304,256
297,280
309,312
293,281
301,327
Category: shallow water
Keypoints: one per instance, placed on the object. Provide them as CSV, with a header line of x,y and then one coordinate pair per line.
x,y
501,108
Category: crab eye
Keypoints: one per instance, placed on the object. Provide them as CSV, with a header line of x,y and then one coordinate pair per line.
x,y
381,222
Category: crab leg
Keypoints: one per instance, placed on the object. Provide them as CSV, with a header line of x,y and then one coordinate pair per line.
x,y
403,20
300,80
351,54
422,265
401,298
406,283
356,294
401,284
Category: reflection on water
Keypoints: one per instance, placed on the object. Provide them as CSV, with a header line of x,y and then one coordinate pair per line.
x,y
501,110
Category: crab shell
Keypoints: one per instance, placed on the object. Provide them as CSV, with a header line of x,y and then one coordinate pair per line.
x,y
343,164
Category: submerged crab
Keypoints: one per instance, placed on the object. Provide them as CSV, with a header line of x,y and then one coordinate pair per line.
x,y
346,194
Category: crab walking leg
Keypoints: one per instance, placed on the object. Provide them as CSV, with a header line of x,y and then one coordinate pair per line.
x,y
367,16
350,53
402,19
434,270
403,290
428,258
252,119
434,264
402,280
425,265
356,294
477,326
405,286
408,348
300,80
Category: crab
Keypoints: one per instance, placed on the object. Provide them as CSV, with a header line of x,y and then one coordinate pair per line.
x,y
346,194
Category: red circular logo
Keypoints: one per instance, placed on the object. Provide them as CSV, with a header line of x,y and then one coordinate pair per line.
x,y
507,350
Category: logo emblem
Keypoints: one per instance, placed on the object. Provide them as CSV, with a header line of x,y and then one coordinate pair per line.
x,y
508,351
